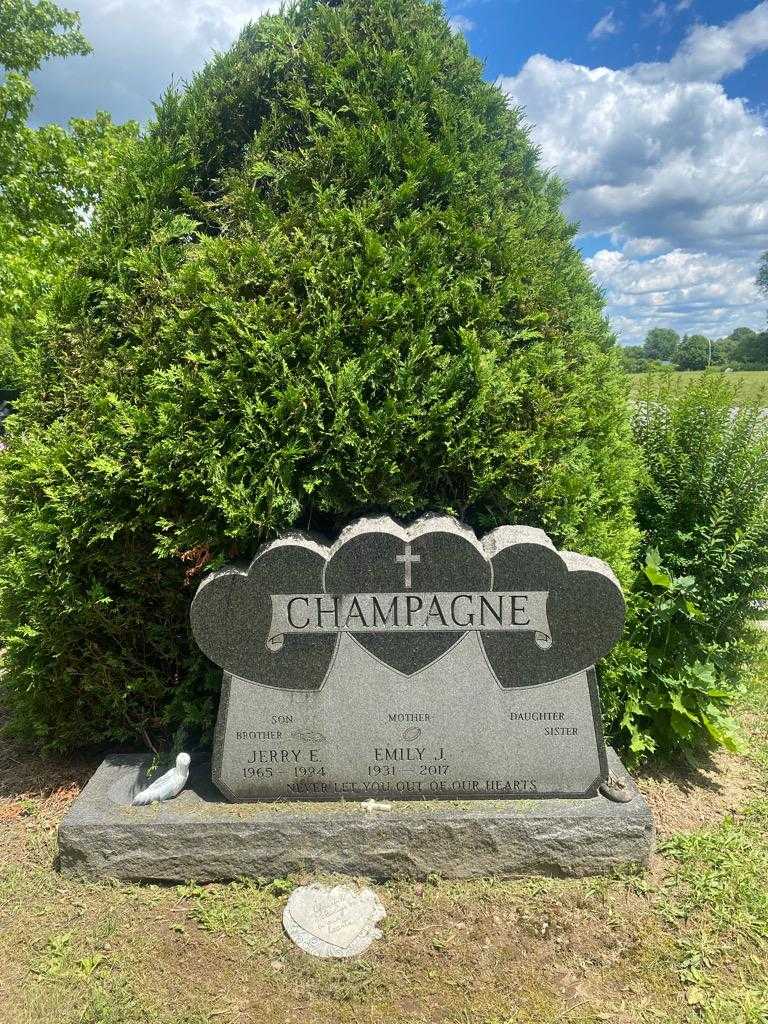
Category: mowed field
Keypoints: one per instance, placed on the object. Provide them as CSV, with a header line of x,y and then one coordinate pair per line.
x,y
751,384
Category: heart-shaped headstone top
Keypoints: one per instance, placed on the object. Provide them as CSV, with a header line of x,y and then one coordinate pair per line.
x,y
585,607
232,611
378,556
407,595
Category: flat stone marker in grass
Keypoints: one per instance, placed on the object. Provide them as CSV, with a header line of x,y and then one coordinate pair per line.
x,y
333,921
451,675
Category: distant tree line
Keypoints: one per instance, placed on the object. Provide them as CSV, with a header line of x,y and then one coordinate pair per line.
x,y
742,349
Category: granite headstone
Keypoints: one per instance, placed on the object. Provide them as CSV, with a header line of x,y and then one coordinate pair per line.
x,y
409,662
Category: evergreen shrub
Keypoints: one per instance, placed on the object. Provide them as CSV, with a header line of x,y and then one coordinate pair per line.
x,y
330,279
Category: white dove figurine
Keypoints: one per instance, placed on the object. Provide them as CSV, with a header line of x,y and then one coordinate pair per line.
x,y
168,785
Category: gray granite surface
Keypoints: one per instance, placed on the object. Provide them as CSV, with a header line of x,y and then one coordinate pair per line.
x,y
368,733
200,836
409,662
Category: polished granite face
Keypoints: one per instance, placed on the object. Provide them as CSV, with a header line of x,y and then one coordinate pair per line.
x,y
411,662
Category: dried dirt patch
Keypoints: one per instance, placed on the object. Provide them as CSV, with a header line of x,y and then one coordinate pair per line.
x,y
685,797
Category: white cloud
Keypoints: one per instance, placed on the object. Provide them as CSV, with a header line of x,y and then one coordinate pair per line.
x,y
695,293
711,52
636,248
458,23
659,158
664,12
139,46
606,26
676,161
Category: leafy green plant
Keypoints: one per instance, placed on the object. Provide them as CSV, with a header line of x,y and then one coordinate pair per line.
x,y
49,176
163,760
703,507
674,696
330,279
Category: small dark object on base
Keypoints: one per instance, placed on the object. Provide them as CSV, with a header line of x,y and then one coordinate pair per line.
x,y
616,789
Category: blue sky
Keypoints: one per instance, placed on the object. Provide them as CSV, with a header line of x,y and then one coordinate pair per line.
x,y
653,111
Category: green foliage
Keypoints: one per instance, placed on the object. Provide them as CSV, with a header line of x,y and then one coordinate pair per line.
x,y
237,908
661,343
744,348
703,508
749,347
49,177
723,351
633,358
331,279
693,352
32,31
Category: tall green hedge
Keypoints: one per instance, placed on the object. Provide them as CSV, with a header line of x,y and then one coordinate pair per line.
x,y
331,278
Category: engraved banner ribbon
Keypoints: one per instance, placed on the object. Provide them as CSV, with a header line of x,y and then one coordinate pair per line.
x,y
439,612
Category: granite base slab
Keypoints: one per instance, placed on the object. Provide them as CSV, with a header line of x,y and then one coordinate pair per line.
x,y
201,837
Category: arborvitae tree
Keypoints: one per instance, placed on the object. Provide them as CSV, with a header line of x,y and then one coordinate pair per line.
x,y
330,279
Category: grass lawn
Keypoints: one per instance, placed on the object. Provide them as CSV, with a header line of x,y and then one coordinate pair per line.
x,y
686,942
753,384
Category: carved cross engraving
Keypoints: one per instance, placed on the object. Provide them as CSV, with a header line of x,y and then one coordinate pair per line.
x,y
407,560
